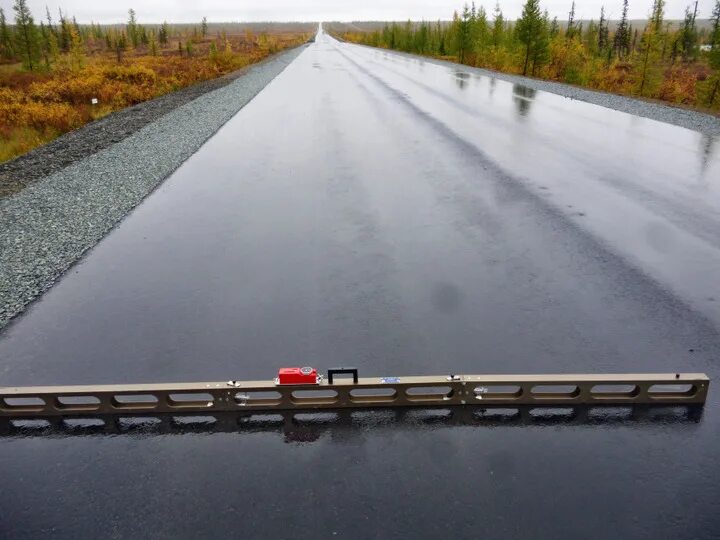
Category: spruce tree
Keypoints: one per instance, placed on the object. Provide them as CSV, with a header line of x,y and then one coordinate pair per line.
x,y
45,44
164,33
715,54
153,44
50,25
120,46
498,31
76,27
603,31
422,39
204,27
688,34
407,37
649,48
481,34
621,42
6,40
570,32
97,32
591,37
132,28
463,41
542,44
529,31
554,28
77,50
27,39
657,16
715,32
64,38
442,45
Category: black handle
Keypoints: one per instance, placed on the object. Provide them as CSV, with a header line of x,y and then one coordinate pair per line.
x,y
342,370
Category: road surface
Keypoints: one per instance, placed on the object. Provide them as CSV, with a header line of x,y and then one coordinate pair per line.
x,y
375,210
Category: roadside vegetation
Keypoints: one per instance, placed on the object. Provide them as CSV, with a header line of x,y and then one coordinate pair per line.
x,y
56,75
676,62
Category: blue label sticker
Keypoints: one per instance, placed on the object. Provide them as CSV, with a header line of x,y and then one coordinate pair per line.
x,y
390,380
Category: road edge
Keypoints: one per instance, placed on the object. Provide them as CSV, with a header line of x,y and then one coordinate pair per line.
x,y
52,223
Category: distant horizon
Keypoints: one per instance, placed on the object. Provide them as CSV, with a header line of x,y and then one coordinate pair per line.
x,y
369,21
343,11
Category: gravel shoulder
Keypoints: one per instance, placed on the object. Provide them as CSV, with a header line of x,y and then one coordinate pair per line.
x,y
22,171
686,118
63,198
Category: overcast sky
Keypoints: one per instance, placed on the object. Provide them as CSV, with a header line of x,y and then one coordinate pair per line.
x,y
325,10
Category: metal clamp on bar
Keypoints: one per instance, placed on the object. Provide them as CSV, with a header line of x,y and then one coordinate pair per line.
x,y
343,371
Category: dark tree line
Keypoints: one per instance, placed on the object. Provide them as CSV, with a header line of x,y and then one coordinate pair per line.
x,y
39,46
619,58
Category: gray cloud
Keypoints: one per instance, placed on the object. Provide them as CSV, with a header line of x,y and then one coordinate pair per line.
x,y
313,10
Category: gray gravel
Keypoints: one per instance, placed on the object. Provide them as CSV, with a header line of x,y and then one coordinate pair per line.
x,y
697,121
48,225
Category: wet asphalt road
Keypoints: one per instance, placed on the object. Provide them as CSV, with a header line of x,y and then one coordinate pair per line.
x,y
374,210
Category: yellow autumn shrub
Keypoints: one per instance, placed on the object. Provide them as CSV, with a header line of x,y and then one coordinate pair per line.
x,y
130,74
678,86
58,116
37,107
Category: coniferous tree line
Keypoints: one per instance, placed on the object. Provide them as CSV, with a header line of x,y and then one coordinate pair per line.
x,y
41,44
660,60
